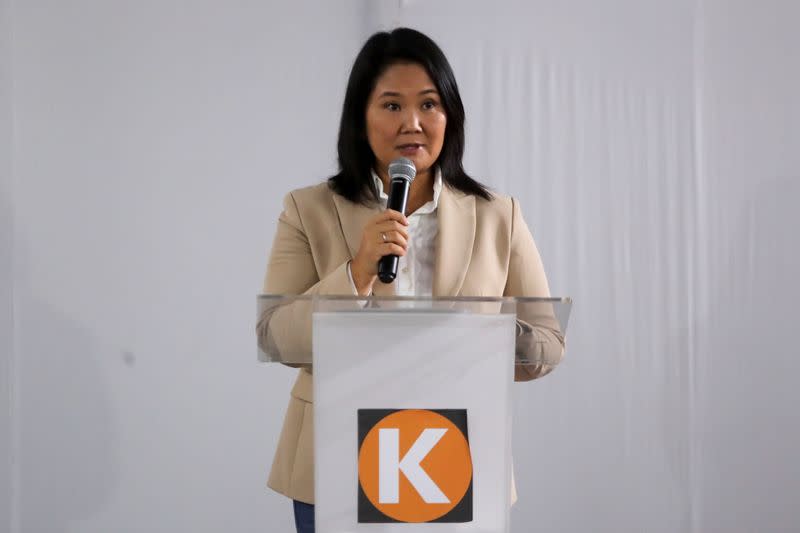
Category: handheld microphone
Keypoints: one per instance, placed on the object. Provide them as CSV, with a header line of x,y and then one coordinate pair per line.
x,y
401,174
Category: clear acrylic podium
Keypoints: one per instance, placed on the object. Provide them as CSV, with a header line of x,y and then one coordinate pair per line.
x,y
412,402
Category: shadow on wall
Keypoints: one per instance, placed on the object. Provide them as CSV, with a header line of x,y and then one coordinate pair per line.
x,y
67,455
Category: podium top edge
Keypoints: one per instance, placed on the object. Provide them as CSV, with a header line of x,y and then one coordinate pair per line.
x,y
351,298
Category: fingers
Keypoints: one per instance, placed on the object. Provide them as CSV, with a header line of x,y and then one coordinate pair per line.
x,y
392,227
390,214
391,243
385,234
393,235
397,237
390,248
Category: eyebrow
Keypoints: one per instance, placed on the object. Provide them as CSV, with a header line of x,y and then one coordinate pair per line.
x,y
392,93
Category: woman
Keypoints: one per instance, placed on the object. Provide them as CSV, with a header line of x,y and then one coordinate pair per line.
x,y
456,238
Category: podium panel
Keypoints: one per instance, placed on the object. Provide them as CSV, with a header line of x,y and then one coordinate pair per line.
x,y
412,420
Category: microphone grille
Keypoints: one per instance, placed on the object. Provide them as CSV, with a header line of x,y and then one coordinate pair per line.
x,y
402,168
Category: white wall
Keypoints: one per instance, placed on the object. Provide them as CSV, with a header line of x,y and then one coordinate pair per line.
x,y
155,142
6,270
747,248
653,145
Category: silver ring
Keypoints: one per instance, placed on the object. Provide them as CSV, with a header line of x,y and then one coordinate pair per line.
x,y
384,237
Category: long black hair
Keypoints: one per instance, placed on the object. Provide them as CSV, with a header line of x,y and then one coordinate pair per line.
x,y
356,159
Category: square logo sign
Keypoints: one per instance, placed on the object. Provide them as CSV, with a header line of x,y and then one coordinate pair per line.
x,y
414,466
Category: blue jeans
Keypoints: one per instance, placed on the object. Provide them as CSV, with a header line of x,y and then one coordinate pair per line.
x,y
303,517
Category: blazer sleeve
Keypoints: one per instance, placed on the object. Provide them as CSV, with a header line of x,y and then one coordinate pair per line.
x,y
291,270
539,335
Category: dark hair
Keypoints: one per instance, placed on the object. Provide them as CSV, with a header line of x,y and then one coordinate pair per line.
x,y
356,159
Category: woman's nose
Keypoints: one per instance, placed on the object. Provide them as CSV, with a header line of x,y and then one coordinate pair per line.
x,y
411,121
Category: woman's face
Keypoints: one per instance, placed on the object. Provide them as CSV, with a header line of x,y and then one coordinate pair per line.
x,y
405,118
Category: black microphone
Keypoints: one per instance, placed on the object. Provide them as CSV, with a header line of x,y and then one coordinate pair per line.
x,y
401,174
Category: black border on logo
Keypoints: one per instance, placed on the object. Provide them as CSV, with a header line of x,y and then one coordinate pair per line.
x,y
368,513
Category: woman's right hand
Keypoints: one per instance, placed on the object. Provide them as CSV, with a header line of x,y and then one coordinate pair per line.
x,y
384,234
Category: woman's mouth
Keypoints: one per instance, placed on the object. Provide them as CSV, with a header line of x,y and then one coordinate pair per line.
x,y
410,149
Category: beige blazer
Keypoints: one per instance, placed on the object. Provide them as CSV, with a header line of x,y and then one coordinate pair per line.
x,y
483,248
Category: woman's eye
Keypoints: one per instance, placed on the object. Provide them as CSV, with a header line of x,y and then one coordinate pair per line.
x,y
430,104
391,106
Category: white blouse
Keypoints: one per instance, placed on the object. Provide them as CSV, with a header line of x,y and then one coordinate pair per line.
x,y
415,270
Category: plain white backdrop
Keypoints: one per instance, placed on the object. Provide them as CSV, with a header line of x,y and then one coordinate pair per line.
x,y
145,148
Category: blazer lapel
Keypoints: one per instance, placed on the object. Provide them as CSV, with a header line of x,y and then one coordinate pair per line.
x,y
457,222
352,218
